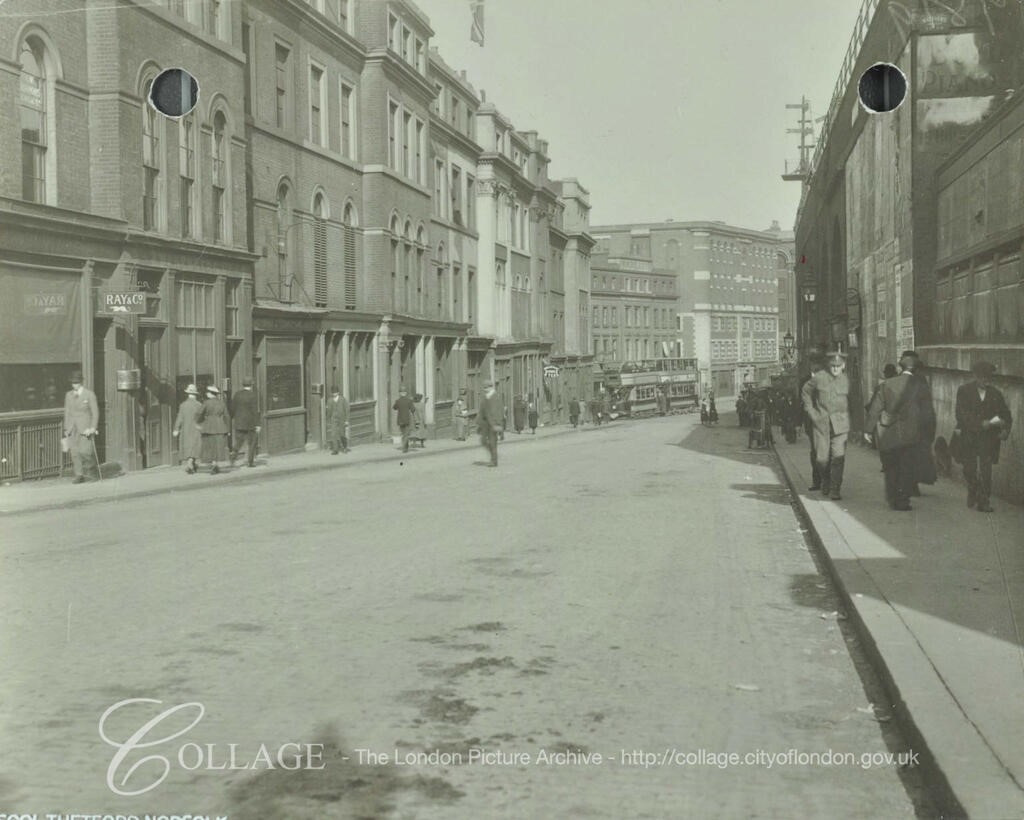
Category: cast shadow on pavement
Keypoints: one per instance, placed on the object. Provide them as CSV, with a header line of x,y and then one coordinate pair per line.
x,y
942,559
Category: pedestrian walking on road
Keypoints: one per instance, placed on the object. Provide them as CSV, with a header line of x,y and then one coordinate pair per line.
x,y
902,416
245,413
807,396
337,422
983,420
491,421
214,423
712,411
531,417
829,412
460,414
419,419
186,430
81,424
518,414
404,409
574,412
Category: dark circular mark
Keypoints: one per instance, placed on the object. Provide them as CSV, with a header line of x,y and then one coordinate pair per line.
x,y
174,92
882,88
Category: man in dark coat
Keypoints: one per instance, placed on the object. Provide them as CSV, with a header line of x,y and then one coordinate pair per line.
x,y
983,420
404,409
81,423
518,413
901,416
574,412
491,421
245,412
337,422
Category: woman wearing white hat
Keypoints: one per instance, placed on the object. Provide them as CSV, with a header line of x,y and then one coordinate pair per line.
x,y
186,427
213,422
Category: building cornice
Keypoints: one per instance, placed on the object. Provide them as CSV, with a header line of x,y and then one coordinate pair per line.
x,y
400,72
463,142
304,19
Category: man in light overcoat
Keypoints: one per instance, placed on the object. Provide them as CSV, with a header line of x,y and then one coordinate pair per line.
x,y
827,405
337,422
81,424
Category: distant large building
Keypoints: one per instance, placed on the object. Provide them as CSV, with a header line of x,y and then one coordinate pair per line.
x,y
727,307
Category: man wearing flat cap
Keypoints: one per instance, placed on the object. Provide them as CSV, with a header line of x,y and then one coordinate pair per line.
x,y
983,420
827,405
81,423
902,417
491,421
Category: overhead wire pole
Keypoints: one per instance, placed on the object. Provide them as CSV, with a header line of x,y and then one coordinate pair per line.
x,y
805,130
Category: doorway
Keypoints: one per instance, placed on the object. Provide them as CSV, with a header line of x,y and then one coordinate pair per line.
x,y
154,399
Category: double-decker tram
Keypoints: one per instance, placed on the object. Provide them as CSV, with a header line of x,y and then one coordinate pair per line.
x,y
634,386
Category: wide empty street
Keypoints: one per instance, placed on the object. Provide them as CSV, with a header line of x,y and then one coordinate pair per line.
x,y
584,631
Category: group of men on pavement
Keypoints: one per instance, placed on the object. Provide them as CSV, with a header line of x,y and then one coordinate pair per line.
x,y
901,423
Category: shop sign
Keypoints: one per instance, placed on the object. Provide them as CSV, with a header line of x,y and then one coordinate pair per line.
x,y
45,304
121,301
551,372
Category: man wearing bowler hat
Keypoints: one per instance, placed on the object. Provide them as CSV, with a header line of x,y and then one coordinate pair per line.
x,y
827,404
491,421
81,424
984,421
245,413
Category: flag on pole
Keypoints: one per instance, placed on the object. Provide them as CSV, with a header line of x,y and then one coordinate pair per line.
x,y
476,34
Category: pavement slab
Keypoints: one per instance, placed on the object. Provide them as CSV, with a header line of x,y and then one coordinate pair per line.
x,y
939,594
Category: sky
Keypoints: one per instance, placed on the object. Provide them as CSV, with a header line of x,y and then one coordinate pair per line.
x,y
663,109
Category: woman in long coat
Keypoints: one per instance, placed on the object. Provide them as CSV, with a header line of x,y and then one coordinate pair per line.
x,y
186,426
518,414
214,423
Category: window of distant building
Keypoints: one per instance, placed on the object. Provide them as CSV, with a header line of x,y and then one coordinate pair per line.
x,y
320,214
394,34
282,79
347,104
317,105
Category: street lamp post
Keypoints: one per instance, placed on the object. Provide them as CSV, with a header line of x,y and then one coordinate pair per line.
x,y
787,347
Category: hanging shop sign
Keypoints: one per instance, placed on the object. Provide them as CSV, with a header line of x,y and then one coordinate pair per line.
x,y
122,301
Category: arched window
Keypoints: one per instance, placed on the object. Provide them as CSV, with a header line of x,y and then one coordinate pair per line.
x,y
349,222
34,100
320,250
408,272
187,175
440,291
221,170
284,242
152,162
396,264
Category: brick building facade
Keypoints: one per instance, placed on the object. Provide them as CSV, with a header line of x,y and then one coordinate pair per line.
x,y
100,194
341,209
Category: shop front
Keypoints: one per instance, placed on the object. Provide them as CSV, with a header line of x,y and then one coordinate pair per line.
x,y
43,327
